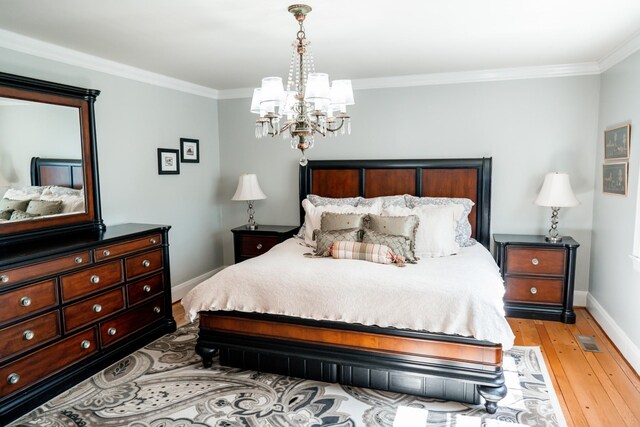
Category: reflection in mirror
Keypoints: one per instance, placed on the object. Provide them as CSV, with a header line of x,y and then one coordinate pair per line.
x,y
34,129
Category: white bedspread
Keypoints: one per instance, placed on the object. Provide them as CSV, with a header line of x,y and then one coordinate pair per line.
x,y
459,294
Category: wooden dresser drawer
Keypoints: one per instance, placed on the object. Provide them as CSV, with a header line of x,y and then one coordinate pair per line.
x,y
27,300
133,320
46,268
18,338
91,280
144,289
49,360
119,249
534,289
256,245
524,260
143,263
93,309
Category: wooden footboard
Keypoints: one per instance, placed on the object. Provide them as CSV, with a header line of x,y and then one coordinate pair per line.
x,y
419,363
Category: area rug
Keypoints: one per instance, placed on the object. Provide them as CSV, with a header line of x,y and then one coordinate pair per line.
x,y
165,385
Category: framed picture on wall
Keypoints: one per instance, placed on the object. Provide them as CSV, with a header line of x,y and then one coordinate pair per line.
x,y
614,178
168,161
616,142
189,150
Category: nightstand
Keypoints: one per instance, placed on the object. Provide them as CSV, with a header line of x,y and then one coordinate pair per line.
x,y
251,243
538,276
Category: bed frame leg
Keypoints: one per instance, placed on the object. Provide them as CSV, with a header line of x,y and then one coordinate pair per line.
x,y
492,395
207,354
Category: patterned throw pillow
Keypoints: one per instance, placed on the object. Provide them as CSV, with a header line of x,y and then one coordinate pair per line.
x,y
17,205
463,226
44,207
6,214
399,245
386,201
341,221
397,226
364,251
324,239
17,215
324,201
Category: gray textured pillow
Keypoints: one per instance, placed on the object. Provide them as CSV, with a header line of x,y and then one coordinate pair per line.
x,y
16,205
396,225
324,239
399,245
44,207
6,214
323,201
340,221
386,201
16,215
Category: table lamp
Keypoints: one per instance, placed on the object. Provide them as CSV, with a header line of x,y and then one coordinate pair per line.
x,y
249,190
556,193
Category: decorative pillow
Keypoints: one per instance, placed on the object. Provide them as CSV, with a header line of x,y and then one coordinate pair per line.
x,y
324,239
24,193
16,215
56,190
364,251
72,201
17,205
396,225
436,232
400,245
44,207
463,226
324,201
340,221
6,214
385,200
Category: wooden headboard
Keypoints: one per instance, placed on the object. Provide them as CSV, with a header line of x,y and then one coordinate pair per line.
x,y
470,178
61,172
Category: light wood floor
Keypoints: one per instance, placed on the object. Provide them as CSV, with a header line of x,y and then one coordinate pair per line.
x,y
594,389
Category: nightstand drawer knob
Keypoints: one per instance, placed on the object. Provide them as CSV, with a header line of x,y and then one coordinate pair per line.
x,y
146,263
111,331
535,261
28,335
152,241
85,344
146,288
97,308
259,246
156,310
13,378
533,290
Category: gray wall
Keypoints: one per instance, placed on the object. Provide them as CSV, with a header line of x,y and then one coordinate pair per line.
x,y
529,127
133,120
614,282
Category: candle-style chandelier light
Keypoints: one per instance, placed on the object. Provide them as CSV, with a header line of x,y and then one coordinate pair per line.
x,y
310,106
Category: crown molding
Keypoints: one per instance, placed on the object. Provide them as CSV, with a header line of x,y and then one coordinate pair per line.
x,y
30,46
243,92
621,53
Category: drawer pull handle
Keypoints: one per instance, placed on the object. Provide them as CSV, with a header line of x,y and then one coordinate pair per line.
x,y
28,335
111,331
106,252
535,261
13,378
25,301
95,279
259,246
152,241
533,291
97,308
156,310
85,344
78,260
4,278
146,263
146,288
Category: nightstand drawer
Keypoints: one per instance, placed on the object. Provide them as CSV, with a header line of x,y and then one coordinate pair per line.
x,y
534,290
527,260
251,246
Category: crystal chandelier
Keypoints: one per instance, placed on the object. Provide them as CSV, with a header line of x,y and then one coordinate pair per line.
x,y
310,106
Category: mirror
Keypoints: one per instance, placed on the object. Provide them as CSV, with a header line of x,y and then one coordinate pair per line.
x,y
48,167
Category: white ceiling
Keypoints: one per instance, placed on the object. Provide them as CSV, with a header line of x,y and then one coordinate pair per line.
x,y
226,44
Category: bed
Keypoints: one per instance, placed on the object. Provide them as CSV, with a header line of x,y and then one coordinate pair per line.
x,y
399,359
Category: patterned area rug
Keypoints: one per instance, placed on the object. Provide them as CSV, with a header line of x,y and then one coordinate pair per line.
x,y
165,385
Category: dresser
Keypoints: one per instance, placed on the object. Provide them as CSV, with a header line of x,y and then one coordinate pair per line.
x,y
74,303
251,243
539,276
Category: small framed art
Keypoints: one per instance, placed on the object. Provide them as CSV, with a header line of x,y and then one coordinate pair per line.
x,y
189,150
168,161
614,178
616,143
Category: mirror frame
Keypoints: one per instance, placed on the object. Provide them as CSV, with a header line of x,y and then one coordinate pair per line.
x,y
29,89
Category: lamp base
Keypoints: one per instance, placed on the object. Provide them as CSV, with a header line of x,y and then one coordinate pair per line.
x,y
251,226
556,239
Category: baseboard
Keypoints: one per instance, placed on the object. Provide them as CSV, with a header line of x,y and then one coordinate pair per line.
x,y
179,291
580,298
628,349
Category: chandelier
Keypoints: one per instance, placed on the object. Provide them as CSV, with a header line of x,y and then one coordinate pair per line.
x,y
309,105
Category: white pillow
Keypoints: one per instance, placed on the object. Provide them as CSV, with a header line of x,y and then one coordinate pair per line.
x,y
24,193
436,234
313,215
72,201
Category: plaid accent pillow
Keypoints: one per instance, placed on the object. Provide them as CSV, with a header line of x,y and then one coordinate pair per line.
x,y
372,252
324,239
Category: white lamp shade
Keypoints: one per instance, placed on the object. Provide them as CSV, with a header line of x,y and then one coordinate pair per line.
x,y
341,92
318,90
290,101
272,93
255,101
248,189
556,191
